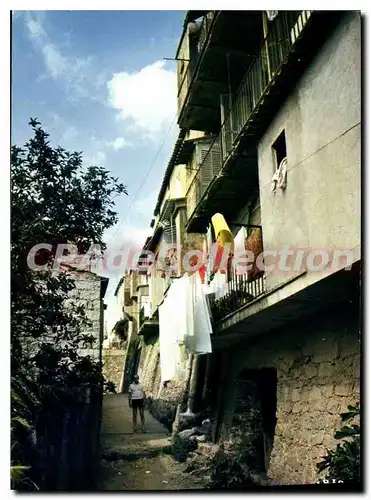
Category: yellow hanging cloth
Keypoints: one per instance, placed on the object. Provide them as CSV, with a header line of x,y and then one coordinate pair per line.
x,y
222,232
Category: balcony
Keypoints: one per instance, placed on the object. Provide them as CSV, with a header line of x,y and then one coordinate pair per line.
x,y
147,325
127,297
211,165
241,291
223,40
292,40
210,192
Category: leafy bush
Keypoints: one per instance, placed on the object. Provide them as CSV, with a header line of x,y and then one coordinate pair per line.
x,y
238,464
55,199
180,448
343,464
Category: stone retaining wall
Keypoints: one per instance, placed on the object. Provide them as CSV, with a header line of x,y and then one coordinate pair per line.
x,y
163,401
113,365
318,375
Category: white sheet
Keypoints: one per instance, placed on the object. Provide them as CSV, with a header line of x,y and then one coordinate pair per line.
x,y
168,356
184,319
198,334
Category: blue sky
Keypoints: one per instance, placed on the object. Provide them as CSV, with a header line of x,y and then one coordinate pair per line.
x,y
98,82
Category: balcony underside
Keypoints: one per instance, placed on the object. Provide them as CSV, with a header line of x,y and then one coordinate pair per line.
x,y
341,289
192,15
238,34
149,327
314,34
227,194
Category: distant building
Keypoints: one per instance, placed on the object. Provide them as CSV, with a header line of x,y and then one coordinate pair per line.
x,y
89,292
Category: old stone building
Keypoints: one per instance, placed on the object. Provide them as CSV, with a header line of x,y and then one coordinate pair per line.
x,y
277,100
89,293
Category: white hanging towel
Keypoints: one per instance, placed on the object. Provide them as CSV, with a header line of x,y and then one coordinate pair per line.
x,y
220,285
279,177
176,320
198,336
203,324
239,241
190,331
207,291
168,356
178,307
210,263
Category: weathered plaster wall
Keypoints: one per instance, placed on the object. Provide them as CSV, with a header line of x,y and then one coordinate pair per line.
x,y
250,213
320,208
318,375
113,365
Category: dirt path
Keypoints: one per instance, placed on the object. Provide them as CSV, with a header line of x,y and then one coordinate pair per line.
x,y
138,461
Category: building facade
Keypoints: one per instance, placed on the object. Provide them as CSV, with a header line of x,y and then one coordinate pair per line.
x,y
270,128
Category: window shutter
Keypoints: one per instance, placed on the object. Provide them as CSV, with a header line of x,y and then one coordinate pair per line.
x,y
210,165
170,234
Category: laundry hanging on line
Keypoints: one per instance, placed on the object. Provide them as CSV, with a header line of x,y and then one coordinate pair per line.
x,y
184,318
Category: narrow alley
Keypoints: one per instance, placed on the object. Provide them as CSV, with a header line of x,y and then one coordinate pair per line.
x,y
185,235
139,461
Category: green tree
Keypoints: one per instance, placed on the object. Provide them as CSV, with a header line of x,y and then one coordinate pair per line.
x,y
55,199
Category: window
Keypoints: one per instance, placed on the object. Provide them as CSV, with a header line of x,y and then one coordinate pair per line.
x,y
279,149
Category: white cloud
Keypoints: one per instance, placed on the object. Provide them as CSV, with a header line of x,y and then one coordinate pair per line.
x,y
119,143
35,28
63,133
97,158
69,134
95,152
146,205
78,74
147,98
126,235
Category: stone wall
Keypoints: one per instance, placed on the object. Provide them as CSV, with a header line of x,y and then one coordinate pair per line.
x,y
163,401
113,365
318,375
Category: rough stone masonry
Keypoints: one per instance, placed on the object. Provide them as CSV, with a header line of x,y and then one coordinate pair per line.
x,y
318,376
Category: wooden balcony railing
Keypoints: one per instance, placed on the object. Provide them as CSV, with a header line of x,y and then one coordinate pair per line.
x,y
186,77
275,50
241,291
281,37
210,165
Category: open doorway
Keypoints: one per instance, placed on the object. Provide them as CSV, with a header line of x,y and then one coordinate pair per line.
x,y
255,413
